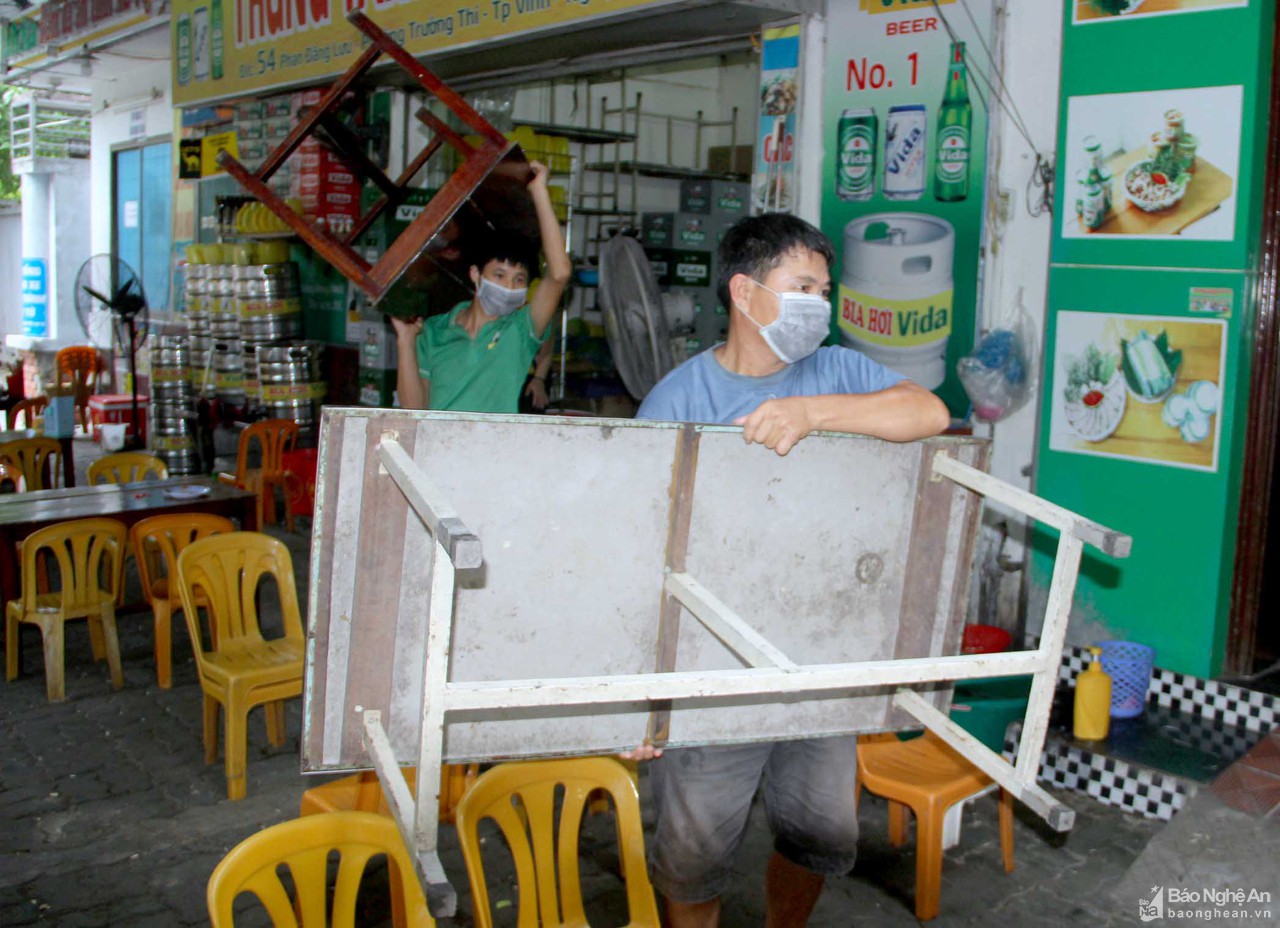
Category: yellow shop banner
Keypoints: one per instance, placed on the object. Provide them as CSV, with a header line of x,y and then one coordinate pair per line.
x,y
897,6
229,48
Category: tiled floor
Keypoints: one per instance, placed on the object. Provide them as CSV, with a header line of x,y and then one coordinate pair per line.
x,y
1252,784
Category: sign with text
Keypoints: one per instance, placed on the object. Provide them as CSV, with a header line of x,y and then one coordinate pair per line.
x,y
35,297
905,138
225,48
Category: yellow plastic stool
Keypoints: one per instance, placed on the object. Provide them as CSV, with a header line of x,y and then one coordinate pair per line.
x,y
929,777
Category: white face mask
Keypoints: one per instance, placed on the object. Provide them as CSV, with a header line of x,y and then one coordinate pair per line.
x,y
804,320
497,300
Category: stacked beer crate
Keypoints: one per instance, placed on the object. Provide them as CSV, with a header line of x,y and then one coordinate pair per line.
x,y
326,184
682,247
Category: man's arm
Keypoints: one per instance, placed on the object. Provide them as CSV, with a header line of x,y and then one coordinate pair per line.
x,y
904,412
537,387
411,388
547,298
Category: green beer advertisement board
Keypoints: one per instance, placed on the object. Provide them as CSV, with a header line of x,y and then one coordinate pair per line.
x,y
1151,287
905,139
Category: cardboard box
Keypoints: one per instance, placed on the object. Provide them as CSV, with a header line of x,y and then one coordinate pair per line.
x,y
691,269
693,230
377,388
377,343
656,229
695,195
731,199
731,159
660,262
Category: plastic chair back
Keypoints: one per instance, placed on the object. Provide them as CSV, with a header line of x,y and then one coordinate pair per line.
x,y
522,799
87,552
159,540
78,366
226,570
26,411
35,457
275,437
304,847
127,467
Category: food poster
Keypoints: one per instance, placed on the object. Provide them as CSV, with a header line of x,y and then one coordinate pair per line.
x,y
905,140
773,182
1171,492
1100,11
1143,387
1153,164
1173,108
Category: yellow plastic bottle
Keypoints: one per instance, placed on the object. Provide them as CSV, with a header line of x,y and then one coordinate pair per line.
x,y
1093,701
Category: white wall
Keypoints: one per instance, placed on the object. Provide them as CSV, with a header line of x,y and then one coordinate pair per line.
x,y
146,89
1018,251
10,269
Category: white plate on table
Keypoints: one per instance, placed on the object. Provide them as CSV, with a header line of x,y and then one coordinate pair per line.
x,y
187,491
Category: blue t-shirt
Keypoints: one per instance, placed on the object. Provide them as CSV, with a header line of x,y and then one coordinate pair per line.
x,y
702,390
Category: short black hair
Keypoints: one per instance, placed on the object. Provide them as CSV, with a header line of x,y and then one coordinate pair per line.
x,y
757,244
504,246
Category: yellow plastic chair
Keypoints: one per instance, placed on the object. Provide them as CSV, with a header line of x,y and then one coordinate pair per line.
x,y
127,467
275,438
89,554
304,847
243,669
36,458
26,411
157,541
521,799
927,776
78,366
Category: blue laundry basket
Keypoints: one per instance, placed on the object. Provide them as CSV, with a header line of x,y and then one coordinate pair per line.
x,y
1129,666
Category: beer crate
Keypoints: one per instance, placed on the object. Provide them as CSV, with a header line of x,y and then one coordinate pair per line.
x,y
656,229
695,195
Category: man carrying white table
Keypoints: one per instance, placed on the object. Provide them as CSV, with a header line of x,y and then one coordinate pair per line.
x,y
771,377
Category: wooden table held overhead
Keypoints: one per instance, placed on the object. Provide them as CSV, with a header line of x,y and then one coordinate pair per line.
x,y
23,513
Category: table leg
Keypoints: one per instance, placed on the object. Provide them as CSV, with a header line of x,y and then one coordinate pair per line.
x,y
68,463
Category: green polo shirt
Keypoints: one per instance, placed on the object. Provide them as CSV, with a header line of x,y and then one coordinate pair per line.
x,y
481,374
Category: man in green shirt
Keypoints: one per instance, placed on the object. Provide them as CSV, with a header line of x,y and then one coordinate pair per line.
x,y
474,358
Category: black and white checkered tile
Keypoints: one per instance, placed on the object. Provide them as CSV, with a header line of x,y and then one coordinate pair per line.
x,y
1219,718
1112,782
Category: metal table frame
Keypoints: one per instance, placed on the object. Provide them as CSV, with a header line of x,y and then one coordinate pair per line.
x,y
767,672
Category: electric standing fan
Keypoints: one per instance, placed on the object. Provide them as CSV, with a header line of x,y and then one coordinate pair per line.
x,y
634,322
111,305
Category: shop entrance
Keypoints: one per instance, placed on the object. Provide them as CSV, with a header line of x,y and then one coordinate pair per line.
x,y
142,214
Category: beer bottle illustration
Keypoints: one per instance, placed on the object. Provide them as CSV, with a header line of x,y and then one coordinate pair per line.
x,y
215,38
955,116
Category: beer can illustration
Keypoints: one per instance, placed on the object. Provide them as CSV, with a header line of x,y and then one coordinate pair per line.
x,y
200,43
182,48
857,134
905,146
896,292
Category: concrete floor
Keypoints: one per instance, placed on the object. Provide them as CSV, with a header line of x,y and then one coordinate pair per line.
x,y
112,818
